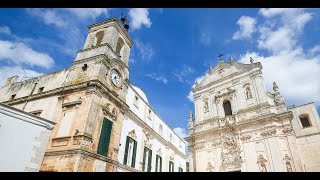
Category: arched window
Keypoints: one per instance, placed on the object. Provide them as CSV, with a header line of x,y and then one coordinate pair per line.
x,y
120,44
99,37
305,120
227,108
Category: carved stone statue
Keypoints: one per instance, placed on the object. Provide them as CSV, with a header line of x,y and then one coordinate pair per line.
x,y
209,167
206,106
248,93
277,97
262,163
231,59
275,87
251,60
288,166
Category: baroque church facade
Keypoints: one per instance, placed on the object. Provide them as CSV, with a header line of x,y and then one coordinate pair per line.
x,y
239,126
103,123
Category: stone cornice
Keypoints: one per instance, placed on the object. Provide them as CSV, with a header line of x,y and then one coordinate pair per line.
x,y
91,154
240,124
143,124
70,88
103,56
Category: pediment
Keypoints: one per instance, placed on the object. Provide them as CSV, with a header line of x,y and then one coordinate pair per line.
x,y
224,70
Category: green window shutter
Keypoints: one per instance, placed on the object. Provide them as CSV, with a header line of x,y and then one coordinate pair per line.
x,y
172,167
169,166
149,160
160,164
157,157
105,137
126,152
144,158
134,154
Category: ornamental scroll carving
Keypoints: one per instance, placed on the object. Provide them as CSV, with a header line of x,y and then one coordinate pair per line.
x,y
287,130
245,137
268,132
132,134
107,112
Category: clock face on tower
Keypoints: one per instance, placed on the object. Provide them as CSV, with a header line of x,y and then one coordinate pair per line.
x,y
115,77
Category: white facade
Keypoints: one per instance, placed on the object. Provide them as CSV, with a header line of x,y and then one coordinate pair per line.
x,y
239,126
24,138
144,126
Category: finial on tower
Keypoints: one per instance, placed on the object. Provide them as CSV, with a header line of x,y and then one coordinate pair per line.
x,y
275,88
124,21
251,60
231,59
220,57
190,115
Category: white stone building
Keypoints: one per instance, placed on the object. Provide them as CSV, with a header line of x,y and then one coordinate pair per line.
x,y
239,126
147,142
24,138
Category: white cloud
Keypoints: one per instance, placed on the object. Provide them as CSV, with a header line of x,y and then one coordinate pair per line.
x,y
295,71
84,13
205,38
20,53
247,27
6,72
158,77
190,95
180,132
48,16
184,72
296,75
5,30
139,17
145,50
279,33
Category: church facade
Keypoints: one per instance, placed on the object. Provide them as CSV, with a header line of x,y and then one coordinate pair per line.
x,y
239,126
87,101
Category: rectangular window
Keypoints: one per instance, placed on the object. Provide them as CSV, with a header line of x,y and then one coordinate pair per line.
x,y
171,166
187,166
65,124
158,163
130,152
147,156
180,169
305,122
105,137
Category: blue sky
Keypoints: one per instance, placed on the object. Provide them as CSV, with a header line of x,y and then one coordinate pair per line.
x,y
172,48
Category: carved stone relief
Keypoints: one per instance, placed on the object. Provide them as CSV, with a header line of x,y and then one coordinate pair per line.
x,y
268,132
262,163
132,134
245,137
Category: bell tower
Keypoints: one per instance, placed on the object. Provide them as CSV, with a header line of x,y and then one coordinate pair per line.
x,y
90,110
108,37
